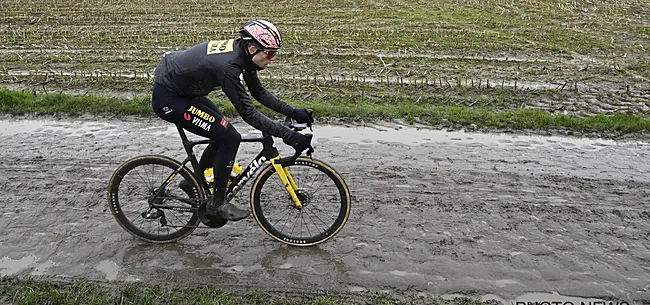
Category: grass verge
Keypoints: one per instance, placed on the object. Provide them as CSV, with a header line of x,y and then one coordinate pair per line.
x,y
24,102
29,291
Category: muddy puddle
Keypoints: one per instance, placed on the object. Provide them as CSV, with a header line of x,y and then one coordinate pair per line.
x,y
366,134
502,217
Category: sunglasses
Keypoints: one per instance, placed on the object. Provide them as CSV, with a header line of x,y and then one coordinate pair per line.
x,y
269,53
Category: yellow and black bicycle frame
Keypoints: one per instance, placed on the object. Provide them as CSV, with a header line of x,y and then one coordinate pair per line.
x,y
268,154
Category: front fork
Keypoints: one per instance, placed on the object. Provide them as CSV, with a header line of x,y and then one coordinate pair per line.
x,y
287,181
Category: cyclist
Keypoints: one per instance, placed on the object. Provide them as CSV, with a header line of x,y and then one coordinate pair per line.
x,y
183,80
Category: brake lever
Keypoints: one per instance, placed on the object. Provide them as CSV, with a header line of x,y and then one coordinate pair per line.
x,y
310,149
311,116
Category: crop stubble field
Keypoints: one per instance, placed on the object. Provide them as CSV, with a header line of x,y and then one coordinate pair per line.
x,y
575,57
572,57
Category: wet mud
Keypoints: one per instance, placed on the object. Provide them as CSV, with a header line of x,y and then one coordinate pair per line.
x,y
435,213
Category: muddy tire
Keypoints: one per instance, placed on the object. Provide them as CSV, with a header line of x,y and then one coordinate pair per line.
x,y
136,181
325,197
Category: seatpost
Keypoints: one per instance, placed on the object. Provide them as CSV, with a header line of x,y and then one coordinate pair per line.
x,y
186,142
189,150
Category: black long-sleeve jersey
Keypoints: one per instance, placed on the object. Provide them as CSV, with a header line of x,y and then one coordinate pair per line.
x,y
209,65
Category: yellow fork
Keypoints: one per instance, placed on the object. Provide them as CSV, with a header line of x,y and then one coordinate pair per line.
x,y
287,181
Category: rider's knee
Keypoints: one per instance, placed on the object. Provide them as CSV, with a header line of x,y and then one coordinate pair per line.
x,y
233,137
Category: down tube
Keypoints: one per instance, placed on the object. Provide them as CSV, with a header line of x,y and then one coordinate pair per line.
x,y
250,170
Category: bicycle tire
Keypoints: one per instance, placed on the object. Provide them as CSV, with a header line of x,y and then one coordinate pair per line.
x,y
265,218
118,188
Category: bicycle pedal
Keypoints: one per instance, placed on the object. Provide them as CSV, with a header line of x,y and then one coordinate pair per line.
x,y
210,221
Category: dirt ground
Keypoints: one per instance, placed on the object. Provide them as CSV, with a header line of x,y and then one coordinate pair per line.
x,y
435,213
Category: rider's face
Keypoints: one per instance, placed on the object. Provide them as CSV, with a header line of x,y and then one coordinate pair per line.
x,y
262,58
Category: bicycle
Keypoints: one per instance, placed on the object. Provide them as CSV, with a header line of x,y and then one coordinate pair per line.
x,y
170,213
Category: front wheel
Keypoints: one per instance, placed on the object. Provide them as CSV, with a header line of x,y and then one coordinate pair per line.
x,y
323,193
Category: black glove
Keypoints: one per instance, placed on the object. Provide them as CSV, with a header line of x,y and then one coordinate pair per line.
x,y
298,141
303,115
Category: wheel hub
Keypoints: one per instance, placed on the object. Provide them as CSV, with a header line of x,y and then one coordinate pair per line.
x,y
152,214
304,197
160,198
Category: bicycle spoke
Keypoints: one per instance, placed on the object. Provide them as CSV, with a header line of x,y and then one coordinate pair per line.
x,y
280,212
300,173
153,177
305,170
164,175
146,173
294,226
318,218
283,212
141,195
306,224
171,220
144,181
284,223
311,187
296,174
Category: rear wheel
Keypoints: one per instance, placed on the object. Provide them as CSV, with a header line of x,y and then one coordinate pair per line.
x,y
321,190
135,187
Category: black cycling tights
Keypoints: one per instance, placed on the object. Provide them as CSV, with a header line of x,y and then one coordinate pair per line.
x,y
201,116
